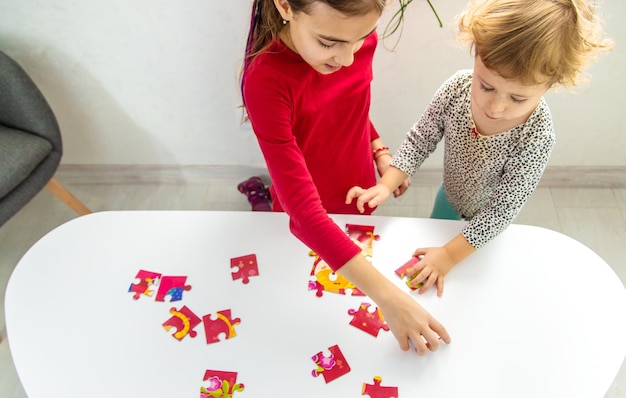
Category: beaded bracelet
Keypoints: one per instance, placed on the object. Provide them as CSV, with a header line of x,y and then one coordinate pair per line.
x,y
383,150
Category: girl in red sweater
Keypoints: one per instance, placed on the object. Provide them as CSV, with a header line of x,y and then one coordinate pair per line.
x,y
306,90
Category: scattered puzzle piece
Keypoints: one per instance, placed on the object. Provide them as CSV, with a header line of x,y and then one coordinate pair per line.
x,y
363,236
147,280
377,391
172,286
223,324
330,281
220,384
403,270
246,266
369,322
184,320
332,366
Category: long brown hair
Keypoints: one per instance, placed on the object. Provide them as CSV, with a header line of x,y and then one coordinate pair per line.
x,y
266,22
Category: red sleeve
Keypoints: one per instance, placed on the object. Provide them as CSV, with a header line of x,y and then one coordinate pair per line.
x,y
269,109
373,133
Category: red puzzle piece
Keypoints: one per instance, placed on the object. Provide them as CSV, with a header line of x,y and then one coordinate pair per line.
x,y
147,279
223,324
220,384
362,235
332,366
172,286
369,322
403,270
246,267
184,320
377,391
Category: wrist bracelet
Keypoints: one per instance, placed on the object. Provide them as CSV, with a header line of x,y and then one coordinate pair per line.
x,y
380,151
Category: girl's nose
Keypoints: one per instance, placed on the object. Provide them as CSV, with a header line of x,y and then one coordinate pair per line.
x,y
345,57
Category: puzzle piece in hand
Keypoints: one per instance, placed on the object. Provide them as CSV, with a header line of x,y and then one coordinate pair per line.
x,y
184,320
172,286
403,270
369,322
377,391
363,236
223,324
328,280
332,366
246,266
220,384
147,280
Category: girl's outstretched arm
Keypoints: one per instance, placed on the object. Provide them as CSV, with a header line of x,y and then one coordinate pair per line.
x,y
407,320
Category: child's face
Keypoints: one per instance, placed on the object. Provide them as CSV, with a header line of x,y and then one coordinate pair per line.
x,y
325,38
499,104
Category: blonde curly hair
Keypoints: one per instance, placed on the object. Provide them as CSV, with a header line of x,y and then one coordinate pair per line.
x,y
534,40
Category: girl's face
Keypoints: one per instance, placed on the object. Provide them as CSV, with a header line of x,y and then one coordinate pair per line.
x,y
499,104
325,38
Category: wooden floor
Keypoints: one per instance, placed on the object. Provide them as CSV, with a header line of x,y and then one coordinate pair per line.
x,y
595,217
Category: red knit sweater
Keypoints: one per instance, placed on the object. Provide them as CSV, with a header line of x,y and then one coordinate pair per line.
x,y
315,133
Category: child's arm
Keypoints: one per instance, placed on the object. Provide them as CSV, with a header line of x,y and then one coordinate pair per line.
x,y
407,319
437,261
379,193
382,158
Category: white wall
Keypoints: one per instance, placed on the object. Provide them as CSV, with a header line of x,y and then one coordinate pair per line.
x,y
156,82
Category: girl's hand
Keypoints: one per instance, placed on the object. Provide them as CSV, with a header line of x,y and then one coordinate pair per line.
x,y
434,264
408,321
373,196
382,164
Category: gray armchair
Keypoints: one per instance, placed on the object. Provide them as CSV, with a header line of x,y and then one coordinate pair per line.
x,y
30,143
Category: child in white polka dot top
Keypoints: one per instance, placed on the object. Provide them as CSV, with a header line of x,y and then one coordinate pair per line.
x,y
494,121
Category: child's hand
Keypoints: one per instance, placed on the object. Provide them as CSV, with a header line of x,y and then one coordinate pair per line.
x,y
382,164
431,269
373,196
408,320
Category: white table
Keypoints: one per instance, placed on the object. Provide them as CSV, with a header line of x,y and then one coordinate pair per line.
x,y
533,314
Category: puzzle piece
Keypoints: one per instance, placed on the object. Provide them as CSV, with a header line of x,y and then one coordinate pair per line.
x,y
332,366
330,281
223,324
369,322
403,270
377,391
184,320
172,286
220,384
363,236
246,266
147,280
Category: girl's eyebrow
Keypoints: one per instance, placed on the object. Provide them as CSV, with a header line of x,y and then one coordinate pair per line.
x,y
330,38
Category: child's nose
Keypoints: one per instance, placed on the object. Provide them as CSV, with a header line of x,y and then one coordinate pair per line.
x,y
345,57
496,106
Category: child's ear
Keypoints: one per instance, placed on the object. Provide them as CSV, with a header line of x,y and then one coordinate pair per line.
x,y
284,9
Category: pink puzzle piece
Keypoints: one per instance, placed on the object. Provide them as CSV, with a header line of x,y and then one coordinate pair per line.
x,y
377,391
362,235
246,267
224,324
184,320
404,269
331,366
172,286
220,384
369,322
147,280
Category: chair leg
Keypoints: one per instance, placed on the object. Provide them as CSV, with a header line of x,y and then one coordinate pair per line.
x,y
58,190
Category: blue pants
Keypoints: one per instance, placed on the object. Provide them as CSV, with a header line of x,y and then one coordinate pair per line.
x,y
442,209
